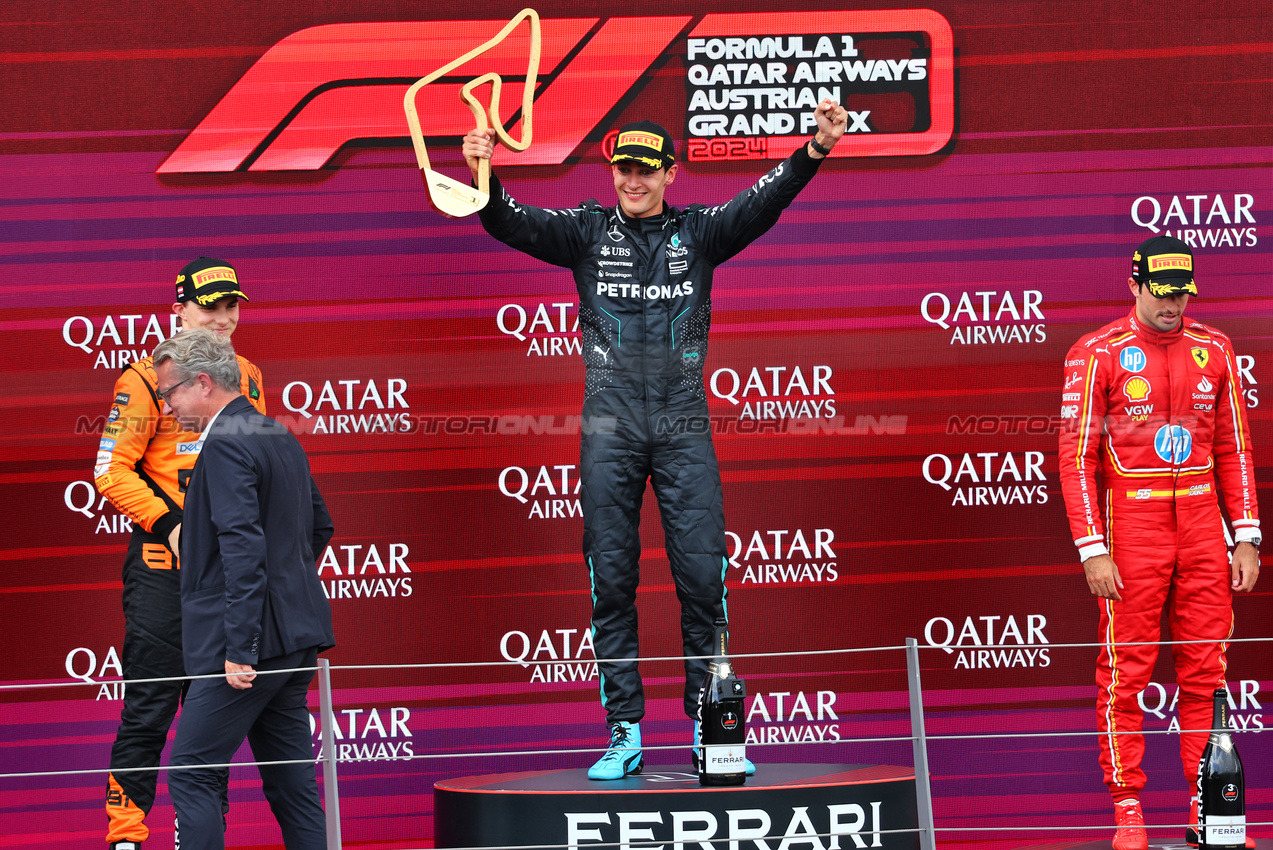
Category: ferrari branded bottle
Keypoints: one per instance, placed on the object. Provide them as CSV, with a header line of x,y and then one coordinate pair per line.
x,y
721,753
1221,793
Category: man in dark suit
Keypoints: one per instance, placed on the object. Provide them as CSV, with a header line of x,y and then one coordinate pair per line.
x,y
254,526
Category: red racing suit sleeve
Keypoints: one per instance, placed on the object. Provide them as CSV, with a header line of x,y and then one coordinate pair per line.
x,y
1084,400
1231,447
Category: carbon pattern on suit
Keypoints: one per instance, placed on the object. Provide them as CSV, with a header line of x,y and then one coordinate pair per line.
x,y
692,340
595,348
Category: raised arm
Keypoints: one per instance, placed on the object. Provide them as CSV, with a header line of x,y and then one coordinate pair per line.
x,y
723,231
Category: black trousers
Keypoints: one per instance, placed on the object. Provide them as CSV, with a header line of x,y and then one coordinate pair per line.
x,y
152,649
273,717
669,445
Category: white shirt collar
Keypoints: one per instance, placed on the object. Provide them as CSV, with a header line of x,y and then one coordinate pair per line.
x,y
203,435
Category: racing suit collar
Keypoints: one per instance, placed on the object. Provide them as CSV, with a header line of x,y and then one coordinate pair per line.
x,y
1156,337
653,222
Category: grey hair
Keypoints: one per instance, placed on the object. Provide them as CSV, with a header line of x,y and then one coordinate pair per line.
x,y
199,350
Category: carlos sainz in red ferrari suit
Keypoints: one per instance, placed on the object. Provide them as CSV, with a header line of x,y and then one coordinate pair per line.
x,y
1152,407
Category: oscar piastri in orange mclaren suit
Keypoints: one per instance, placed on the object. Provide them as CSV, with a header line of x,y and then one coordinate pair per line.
x,y
143,465
1153,406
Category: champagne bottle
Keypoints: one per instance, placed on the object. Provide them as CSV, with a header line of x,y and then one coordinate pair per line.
x,y
1221,792
721,756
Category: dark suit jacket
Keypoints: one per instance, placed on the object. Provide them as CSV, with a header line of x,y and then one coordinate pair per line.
x,y
254,527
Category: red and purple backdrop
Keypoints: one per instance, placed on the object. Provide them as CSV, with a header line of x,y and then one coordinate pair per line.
x,y
884,376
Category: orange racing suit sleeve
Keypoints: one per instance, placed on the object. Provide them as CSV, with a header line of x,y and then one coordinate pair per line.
x,y
251,385
144,458
133,424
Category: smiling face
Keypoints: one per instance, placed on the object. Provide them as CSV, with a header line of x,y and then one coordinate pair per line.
x,y
1161,314
222,317
640,188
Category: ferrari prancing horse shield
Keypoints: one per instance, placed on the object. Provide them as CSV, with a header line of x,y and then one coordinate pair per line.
x,y
1200,356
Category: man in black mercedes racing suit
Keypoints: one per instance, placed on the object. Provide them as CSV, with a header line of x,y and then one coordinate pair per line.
x,y
644,274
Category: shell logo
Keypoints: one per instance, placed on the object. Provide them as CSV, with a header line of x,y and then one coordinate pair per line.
x,y
1137,388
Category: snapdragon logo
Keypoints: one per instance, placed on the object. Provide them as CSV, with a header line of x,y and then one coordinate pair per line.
x,y
784,556
547,329
115,341
991,641
777,392
350,406
552,492
1245,712
86,665
365,571
1200,221
369,734
987,316
559,655
989,478
783,717
81,497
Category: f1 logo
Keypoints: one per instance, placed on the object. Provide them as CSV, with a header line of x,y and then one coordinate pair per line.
x,y
322,87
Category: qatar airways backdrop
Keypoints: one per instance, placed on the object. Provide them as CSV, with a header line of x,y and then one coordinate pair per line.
x,y
884,374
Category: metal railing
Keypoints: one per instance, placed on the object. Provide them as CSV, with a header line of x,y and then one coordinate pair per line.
x,y
926,831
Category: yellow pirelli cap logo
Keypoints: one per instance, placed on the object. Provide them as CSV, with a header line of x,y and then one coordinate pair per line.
x,y
215,274
1163,262
636,137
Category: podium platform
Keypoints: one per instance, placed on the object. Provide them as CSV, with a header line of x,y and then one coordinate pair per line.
x,y
666,804
1156,842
